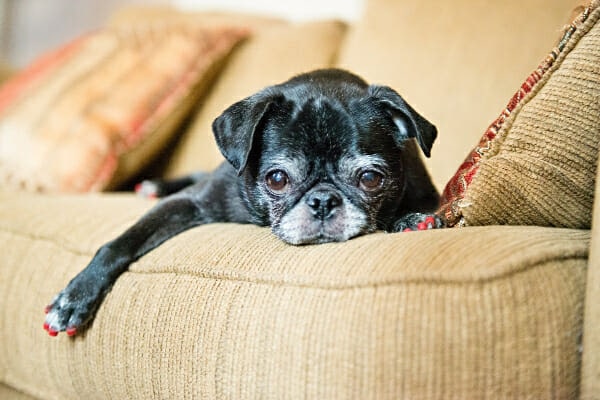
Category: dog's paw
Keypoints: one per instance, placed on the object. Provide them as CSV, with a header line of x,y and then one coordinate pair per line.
x,y
148,189
71,309
418,222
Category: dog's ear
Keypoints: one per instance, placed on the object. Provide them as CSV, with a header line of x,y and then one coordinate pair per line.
x,y
236,128
410,124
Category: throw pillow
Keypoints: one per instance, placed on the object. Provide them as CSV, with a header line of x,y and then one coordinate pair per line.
x,y
91,114
536,164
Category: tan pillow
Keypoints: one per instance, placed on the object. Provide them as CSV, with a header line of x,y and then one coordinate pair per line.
x,y
536,164
89,115
272,55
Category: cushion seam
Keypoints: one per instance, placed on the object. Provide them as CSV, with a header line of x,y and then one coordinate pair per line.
x,y
370,284
359,284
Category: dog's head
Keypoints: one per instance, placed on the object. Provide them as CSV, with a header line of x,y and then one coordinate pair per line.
x,y
320,157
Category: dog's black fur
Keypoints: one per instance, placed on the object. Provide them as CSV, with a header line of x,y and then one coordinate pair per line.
x,y
322,157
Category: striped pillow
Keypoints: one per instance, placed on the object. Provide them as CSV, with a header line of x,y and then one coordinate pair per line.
x,y
89,115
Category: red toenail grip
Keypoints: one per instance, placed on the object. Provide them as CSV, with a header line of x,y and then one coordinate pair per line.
x,y
52,332
422,226
138,188
407,230
71,331
430,221
46,327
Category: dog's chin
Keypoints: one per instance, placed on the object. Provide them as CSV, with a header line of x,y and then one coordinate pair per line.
x,y
299,227
313,237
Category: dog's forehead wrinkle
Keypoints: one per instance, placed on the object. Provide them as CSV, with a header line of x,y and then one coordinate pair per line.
x,y
363,161
322,128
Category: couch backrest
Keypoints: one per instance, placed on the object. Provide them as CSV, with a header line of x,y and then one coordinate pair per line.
x,y
458,62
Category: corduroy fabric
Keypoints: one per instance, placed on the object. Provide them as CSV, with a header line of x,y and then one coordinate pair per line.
x,y
536,165
590,371
89,115
228,311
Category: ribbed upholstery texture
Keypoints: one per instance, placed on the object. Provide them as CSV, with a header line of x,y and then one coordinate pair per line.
x,y
536,165
229,311
590,372
115,98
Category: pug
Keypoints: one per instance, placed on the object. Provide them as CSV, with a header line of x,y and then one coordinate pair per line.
x,y
323,157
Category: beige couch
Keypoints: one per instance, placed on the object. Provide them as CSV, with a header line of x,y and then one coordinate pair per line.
x,y
498,311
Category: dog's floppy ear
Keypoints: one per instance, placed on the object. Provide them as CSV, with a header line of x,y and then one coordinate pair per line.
x,y
235,129
410,124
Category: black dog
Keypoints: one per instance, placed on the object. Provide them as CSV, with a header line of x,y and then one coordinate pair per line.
x,y
322,157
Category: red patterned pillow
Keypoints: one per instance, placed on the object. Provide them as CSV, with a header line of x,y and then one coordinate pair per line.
x,y
536,164
92,113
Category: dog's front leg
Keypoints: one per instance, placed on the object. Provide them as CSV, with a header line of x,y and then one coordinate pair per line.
x,y
76,305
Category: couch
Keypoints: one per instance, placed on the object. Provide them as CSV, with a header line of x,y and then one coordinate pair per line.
x,y
504,303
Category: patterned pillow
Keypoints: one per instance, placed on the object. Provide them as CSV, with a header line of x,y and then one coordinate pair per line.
x,y
91,114
536,164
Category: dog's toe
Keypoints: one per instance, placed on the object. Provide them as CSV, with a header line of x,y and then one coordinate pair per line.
x,y
147,189
57,316
65,315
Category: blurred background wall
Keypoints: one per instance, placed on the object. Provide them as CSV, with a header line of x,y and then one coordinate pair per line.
x,y
30,27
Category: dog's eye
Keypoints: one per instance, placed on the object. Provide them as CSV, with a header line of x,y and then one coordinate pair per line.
x,y
277,181
370,181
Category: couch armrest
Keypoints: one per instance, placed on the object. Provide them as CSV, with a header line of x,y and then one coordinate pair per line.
x,y
590,372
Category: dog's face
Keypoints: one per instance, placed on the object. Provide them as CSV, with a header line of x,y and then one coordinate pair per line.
x,y
320,156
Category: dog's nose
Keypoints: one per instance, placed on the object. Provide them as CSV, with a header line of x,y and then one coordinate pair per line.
x,y
323,202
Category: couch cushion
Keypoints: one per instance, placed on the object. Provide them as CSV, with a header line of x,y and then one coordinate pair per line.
x,y
457,62
92,113
229,311
272,55
536,164
590,368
